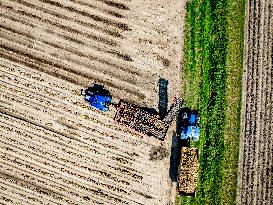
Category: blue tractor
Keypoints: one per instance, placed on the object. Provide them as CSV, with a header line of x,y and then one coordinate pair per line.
x,y
97,96
189,126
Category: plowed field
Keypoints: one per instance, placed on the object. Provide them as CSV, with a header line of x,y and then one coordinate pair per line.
x,y
255,179
54,148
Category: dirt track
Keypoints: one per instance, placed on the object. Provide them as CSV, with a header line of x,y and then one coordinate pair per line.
x,y
255,179
56,150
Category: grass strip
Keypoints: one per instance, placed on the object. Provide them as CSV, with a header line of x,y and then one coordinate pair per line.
x,y
212,69
234,65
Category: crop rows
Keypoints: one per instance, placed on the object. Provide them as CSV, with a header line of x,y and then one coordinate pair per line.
x,y
255,182
55,149
60,45
114,162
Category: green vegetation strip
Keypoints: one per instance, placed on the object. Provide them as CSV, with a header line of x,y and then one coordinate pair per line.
x,y
212,84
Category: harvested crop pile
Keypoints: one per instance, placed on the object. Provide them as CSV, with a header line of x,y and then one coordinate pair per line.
x,y
188,171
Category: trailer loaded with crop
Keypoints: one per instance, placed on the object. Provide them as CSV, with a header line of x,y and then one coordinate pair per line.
x,y
188,171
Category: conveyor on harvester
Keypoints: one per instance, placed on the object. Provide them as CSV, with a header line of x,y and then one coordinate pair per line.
x,y
143,121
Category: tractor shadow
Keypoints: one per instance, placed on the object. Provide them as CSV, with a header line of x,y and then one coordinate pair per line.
x,y
98,89
177,144
175,157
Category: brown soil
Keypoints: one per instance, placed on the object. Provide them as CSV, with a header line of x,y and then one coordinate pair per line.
x,y
255,184
54,149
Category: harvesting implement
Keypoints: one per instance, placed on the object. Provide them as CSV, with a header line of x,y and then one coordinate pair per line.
x,y
144,121
140,119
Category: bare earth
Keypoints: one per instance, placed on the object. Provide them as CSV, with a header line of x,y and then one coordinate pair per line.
x,y
255,178
54,149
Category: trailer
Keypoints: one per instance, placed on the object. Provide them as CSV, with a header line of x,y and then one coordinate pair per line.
x,y
188,171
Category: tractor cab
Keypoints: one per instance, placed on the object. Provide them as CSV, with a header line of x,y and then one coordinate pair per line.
x,y
190,128
97,96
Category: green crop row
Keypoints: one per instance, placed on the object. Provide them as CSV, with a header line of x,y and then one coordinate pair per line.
x,y
211,44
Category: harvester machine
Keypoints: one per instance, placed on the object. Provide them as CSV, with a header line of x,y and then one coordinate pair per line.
x,y
138,118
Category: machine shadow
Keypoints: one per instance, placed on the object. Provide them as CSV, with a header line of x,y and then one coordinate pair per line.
x,y
163,97
175,158
177,144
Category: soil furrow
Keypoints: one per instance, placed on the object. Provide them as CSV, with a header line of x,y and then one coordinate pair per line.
x,y
50,136
106,11
41,63
119,133
62,15
85,130
35,21
10,196
88,61
264,137
258,106
115,4
124,159
70,7
73,99
55,172
39,186
23,191
250,109
255,140
130,171
99,165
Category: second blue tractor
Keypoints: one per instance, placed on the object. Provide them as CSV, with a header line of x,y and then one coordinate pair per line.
x,y
190,125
